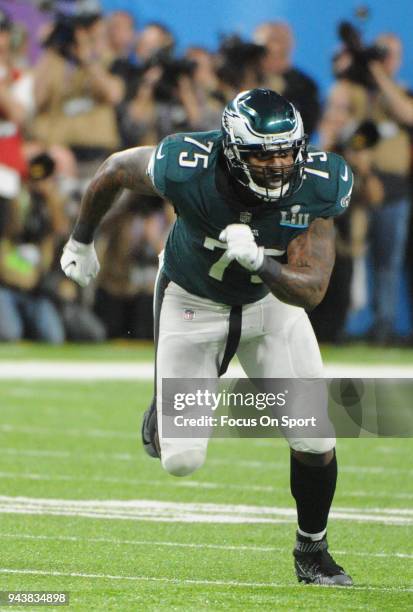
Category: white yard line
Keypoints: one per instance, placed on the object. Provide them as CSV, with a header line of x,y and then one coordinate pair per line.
x,y
201,546
72,370
356,469
178,512
27,452
77,433
186,484
90,370
232,583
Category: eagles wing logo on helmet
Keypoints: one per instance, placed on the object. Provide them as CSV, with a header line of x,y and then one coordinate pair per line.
x,y
259,121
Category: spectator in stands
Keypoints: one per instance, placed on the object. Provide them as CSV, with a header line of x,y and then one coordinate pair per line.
x,y
14,105
75,91
121,34
378,97
385,73
131,239
280,74
14,110
27,251
204,73
79,321
165,100
402,104
152,40
206,85
121,43
9,190
239,67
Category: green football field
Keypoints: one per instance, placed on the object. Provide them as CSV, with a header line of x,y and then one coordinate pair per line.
x,y
141,351
84,510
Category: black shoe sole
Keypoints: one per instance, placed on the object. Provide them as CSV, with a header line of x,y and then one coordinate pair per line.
x,y
303,580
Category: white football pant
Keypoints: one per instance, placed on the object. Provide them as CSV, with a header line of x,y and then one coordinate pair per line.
x,y
277,341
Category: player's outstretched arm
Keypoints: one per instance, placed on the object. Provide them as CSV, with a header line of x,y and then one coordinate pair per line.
x,y
303,281
124,170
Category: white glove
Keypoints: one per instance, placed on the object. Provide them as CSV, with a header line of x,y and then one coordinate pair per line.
x,y
242,246
79,262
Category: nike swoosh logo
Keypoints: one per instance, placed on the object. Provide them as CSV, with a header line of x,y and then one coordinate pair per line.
x,y
67,266
345,175
159,152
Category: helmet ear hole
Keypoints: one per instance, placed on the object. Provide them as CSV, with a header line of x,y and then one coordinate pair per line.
x,y
261,121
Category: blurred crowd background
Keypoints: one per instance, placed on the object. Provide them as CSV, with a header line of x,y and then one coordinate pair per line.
x,y
96,82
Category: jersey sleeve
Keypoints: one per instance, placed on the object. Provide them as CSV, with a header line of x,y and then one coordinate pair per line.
x,y
345,186
341,185
158,166
179,163
180,159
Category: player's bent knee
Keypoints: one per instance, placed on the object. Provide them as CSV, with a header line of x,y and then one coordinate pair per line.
x,y
184,463
313,445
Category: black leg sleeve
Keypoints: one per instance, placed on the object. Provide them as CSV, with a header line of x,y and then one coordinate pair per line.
x,y
313,490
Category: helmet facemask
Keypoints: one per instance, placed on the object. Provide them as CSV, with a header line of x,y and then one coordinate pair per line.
x,y
272,181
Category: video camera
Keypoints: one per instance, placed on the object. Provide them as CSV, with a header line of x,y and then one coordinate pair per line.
x,y
364,136
235,57
172,69
358,71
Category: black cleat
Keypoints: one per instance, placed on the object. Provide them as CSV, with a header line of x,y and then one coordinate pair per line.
x,y
149,432
314,564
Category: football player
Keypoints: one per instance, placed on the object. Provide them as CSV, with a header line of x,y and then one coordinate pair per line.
x,y
251,250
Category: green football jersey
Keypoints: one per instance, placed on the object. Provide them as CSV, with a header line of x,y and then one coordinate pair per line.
x,y
185,169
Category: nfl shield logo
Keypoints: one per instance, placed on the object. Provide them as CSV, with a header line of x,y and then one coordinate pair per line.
x,y
245,217
189,314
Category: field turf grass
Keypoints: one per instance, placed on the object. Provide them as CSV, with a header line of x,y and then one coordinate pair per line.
x,y
143,351
68,442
